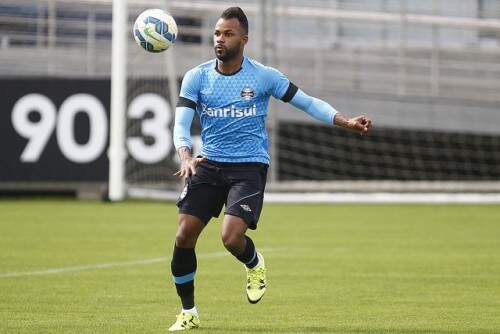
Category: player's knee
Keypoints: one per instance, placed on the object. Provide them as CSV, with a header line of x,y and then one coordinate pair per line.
x,y
184,240
186,237
233,242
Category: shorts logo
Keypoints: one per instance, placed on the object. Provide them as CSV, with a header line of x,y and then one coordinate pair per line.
x,y
246,208
184,192
247,93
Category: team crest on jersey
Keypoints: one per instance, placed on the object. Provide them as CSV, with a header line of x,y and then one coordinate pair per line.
x,y
247,93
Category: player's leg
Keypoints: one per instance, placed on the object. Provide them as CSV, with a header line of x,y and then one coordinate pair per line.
x,y
234,239
243,208
201,200
242,247
183,268
184,263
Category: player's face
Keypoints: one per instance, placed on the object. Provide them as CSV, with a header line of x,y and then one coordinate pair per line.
x,y
229,39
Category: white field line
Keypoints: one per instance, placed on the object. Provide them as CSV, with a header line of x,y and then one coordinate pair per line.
x,y
52,271
341,197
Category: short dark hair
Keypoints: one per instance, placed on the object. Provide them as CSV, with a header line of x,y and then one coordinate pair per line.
x,y
236,13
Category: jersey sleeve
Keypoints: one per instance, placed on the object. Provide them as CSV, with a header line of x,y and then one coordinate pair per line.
x,y
190,89
279,86
315,107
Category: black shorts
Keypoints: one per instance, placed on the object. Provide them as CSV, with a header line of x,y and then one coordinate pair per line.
x,y
240,186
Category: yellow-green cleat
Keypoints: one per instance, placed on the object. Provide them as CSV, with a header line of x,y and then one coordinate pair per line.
x,y
185,321
256,281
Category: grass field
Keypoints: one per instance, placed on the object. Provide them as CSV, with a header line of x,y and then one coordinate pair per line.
x,y
89,267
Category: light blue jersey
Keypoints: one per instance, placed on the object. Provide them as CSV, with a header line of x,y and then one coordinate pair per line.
x,y
233,109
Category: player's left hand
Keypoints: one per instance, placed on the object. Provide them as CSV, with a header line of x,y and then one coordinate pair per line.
x,y
361,124
188,166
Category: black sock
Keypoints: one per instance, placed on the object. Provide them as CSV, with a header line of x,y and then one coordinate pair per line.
x,y
183,267
249,255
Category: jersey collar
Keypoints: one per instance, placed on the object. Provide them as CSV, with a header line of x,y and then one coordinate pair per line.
x,y
230,74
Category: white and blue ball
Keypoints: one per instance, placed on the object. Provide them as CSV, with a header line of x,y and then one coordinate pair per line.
x,y
155,30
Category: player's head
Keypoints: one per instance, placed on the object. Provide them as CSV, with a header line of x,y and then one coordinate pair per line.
x,y
230,34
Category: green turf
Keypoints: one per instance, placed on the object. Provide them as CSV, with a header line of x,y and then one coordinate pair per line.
x,y
331,269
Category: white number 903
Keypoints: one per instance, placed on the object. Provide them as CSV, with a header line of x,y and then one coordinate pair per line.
x,y
38,132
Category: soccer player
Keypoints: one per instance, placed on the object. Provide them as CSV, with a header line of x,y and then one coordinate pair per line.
x,y
230,94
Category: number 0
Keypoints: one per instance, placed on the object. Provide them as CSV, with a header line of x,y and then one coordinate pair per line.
x,y
82,153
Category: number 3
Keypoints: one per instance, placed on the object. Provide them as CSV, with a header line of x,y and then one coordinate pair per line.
x,y
156,127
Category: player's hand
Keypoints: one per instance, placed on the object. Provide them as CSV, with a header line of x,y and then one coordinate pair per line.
x,y
361,124
188,166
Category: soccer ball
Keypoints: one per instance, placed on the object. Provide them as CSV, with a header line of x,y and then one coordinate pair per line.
x,y
155,30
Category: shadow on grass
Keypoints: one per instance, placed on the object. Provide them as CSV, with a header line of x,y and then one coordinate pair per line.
x,y
340,330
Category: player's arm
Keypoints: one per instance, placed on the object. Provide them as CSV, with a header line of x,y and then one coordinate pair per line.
x,y
182,140
281,88
184,113
324,112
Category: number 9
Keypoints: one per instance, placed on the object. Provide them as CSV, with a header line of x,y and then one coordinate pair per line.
x,y
37,133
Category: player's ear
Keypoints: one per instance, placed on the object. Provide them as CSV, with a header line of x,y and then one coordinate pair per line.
x,y
244,38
